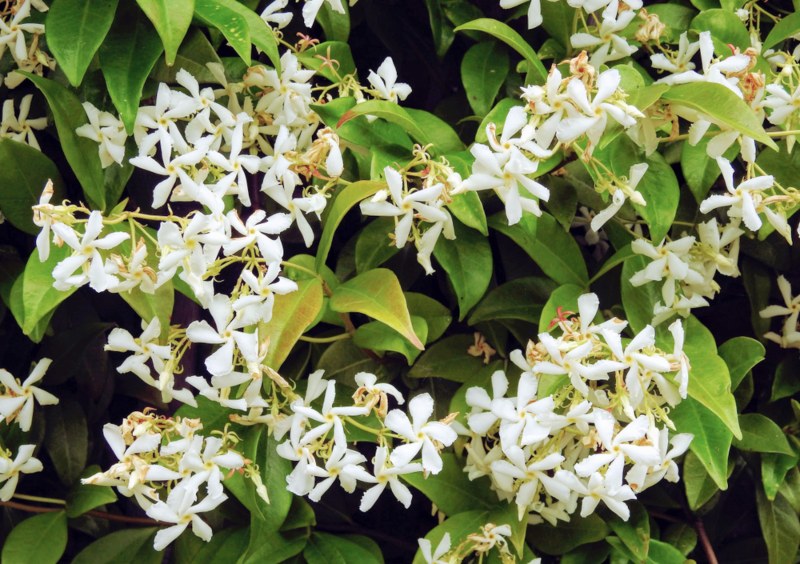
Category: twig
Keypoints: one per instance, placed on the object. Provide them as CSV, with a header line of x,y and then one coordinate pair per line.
x,y
94,513
704,541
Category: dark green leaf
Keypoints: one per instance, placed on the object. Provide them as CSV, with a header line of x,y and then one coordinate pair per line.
x,y
780,527
134,545
233,26
67,439
762,434
567,536
448,359
171,19
741,354
518,299
451,490
711,443
324,548
85,497
483,70
41,539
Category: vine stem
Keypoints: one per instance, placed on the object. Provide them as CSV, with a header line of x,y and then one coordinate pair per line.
x,y
94,513
704,541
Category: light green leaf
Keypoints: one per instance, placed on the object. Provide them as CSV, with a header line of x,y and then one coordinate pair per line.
x,y
567,536
497,116
127,56
712,440
193,56
483,70
564,297
81,152
23,176
784,29
232,25
448,359
335,26
700,170
780,527
376,336
75,29
451,490
24,545
85,497
721,105
134,545
325,548
338,51
698,483
292,314
33,297
377,294
724,25
741,354
172,19
373,246
67,439
261,35
467,259
518,299
436,316
634,533
537,74
664,553
774,468
550,247
342,203
762,434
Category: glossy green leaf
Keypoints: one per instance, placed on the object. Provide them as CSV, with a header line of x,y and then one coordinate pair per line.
x,y
712,440
441,29
550,247
75,29
451,490
634,532
784,29
134,545
373,246
24,545
681,536
664,553
81,152
193,56
467,259
232,25
127,56
780,527
272,548
497,116
376,336
336,26
762,434
377,294
786,382
261,35
567,536
522,299
774,468
343,202
336,51
483,70
619,257
172,19
697,482
23,176
564,297
721,105
741,354
325,548
67,439
437,317
292,314
448,359
724,25
537,74
699,170
85,497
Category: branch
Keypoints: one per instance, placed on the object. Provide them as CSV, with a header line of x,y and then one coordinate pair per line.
x,y
99,514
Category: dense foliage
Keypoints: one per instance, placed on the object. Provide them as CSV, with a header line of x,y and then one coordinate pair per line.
x,y
441,280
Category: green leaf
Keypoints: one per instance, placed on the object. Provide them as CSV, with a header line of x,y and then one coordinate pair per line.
x,y
172,19
448,359
774,468
336,26
784,29
436,316
442,30
741,354
664,553
698,483
301,515
338,51
468,209
724,25
376,336
619,257
33,297
292,314
564,297
194,55
786,382
721,105
712,440
127,56
762,434
272,548
700,170
550,247
373,246
451,490
567,536
85,497
518,299
780,527
134,545
75,29
67,439
232,25
342,203
261,35
634,533
681,536
377,294
23,176
709,381
483,70
537,74
224,547
467,259
325,548
81,152
41,539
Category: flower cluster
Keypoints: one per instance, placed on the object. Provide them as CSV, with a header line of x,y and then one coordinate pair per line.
x,y
20,34
17,402
589,420
165,464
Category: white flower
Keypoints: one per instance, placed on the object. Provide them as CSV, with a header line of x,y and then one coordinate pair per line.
x,y
342,465
12,33
19,127
483,416
607,488
609,45
619,194
642,476
529,474
227,334
789,337
670,262
272,14
523,417
106,130
625,445
330,417
23,463
204,459
18,400
743,200
419,434
441,549
387,475
255,230
43,219
385,82
145,348
257,306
